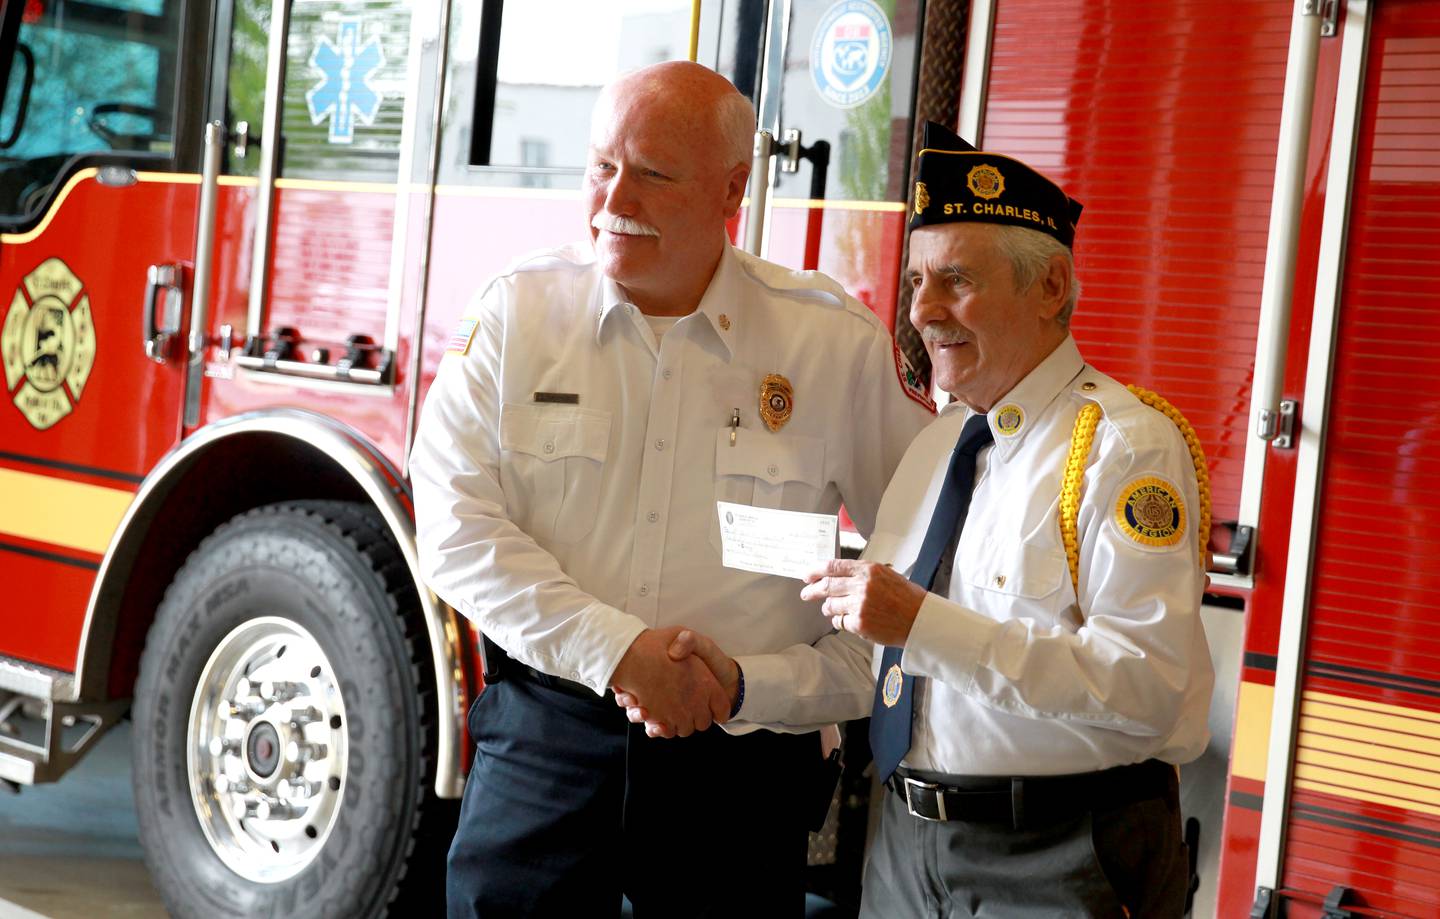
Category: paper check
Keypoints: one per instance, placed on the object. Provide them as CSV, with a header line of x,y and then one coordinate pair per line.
x,y
787,543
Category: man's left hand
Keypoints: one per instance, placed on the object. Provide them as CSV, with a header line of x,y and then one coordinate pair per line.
x,y
871,600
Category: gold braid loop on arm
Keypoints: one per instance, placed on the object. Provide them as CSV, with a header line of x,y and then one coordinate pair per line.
x,y
1197,456
1080,442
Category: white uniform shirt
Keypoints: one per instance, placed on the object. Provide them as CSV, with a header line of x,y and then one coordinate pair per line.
x,y
565,529
1024,677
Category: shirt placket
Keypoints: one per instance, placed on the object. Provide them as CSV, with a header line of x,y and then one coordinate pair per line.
x,y
657,472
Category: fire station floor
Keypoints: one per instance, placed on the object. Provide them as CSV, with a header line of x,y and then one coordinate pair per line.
x,y
71,849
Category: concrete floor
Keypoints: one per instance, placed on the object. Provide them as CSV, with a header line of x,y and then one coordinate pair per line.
x,y
71,850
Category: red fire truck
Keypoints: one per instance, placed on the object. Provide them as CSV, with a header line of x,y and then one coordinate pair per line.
x,y
235,234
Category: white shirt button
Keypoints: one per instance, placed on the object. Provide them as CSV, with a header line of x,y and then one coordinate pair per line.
x,y
773,470
668,373
652,516
644,589
660,444
549,446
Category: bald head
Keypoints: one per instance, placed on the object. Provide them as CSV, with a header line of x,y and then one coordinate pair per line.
x,y
669,157
683,95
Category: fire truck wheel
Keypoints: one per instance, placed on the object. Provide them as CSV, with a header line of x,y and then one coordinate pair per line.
x,y
284,742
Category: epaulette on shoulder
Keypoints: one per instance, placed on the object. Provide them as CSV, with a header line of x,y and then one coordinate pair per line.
x,y
1114,398
574,255
1122,408
809,286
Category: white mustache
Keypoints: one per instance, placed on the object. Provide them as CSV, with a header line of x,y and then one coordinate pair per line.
x,y
625,226
943,333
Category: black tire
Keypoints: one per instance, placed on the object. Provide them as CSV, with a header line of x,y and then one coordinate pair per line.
x,y
331,572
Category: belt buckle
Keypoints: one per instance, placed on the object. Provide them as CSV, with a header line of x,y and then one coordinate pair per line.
x,y
939,800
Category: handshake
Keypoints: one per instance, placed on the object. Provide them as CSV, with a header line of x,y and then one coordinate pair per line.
x,y
677,681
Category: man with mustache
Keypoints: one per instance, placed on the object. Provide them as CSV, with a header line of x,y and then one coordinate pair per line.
x,y
595,403
1043,668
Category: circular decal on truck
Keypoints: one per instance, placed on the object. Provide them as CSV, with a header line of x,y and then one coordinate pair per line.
x,y
850,53
48,343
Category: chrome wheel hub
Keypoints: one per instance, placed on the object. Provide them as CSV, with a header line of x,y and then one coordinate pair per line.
x,y
267,749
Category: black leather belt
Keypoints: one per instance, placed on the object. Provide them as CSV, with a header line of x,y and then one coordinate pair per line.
x,y
1030,800
500,666
513,669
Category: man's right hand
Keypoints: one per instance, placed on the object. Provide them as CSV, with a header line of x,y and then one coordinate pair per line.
x,y
691,643
675,696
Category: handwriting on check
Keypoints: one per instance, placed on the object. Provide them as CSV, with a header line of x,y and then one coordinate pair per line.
x,y
787,543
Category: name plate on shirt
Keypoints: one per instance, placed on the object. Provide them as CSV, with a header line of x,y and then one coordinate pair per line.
x,y
788,543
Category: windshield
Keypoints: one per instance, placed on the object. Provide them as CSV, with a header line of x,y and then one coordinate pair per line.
x,y
92,77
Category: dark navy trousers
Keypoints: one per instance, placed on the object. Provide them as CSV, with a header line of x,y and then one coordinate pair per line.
x,y
568,806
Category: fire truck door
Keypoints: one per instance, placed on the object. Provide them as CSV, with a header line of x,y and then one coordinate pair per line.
x,y
1352,779
98,134
342,130
838,95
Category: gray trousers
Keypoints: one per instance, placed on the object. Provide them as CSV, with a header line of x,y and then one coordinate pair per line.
x,y
1130,861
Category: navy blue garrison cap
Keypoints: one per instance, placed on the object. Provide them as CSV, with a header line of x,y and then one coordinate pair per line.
x,y
954,182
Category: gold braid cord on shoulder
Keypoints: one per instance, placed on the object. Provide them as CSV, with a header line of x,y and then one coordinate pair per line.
x,y
1080,441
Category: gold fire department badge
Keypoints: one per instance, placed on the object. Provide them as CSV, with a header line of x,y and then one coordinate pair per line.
x,y
922,197
48,343
777,401
986,181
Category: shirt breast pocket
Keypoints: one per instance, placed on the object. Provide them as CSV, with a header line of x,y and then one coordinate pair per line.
x,y
777,471
551,463
1004,572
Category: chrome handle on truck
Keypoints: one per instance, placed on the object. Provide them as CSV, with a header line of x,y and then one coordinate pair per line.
x,y
170,279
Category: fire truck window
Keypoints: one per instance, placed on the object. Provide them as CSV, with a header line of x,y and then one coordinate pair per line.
x,y
103,82
345,85
532,101
849,79
249,47
149,7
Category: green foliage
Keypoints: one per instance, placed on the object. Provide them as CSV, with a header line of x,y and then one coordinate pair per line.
x,y
249,51
864,171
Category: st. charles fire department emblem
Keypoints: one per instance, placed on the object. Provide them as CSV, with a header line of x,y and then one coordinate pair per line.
x,y
48,343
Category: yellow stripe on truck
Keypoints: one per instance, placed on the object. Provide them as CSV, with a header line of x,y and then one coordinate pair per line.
x,y
1252,730
58,511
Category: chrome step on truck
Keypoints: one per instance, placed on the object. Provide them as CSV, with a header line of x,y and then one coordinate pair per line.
x,y
42,736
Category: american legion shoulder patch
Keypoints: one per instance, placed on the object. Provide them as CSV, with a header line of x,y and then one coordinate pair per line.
x,y
1150,511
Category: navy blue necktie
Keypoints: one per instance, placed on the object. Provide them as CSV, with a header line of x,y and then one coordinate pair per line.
x,y
891,715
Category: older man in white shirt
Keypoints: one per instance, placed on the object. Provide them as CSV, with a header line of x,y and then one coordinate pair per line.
x,y
1043,668
596,402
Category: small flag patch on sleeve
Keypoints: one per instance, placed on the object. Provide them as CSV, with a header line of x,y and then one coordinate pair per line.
x,y
459,342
